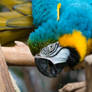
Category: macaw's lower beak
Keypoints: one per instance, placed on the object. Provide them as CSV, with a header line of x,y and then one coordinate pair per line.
x,y
52,59
47,68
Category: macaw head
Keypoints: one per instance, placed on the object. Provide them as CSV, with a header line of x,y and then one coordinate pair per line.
x,y
50,57
53,59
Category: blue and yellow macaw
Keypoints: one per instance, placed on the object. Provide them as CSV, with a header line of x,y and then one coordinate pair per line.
x,y
63,34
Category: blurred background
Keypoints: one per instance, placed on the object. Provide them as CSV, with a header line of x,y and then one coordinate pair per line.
x,y
29,79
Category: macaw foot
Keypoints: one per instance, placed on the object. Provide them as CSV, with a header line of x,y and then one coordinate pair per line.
x,y
74,87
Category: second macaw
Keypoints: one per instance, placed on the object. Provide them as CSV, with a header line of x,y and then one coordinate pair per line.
x,y
63,34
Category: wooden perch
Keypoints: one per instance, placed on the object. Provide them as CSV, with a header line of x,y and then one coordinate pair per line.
x,y
19,55
5,81
88,63
81,86
74,87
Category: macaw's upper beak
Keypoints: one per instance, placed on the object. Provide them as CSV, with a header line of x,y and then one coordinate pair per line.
x,y
52,59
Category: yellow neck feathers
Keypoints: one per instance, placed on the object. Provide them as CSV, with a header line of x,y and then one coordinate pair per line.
x,y
89,46
75,40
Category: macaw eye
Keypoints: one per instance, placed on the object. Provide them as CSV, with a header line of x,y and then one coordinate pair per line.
x,y
51,47
50,50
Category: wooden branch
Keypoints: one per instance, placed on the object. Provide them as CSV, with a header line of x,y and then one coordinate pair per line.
x,y
74,87
88,63
5,81
82,87
16,88
19,55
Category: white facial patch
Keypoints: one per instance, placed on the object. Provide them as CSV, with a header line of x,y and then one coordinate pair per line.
x,y
55,53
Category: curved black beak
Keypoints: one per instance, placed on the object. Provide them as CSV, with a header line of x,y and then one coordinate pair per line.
x,y
47,68
52,59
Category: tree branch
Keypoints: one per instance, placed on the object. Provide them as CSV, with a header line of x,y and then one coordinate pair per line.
x,y
74,87
88,68
19,55
5,81
82,86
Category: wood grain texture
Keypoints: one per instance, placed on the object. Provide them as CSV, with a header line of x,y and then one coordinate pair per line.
x,y
18,55
74,87
82,86
5,81
88,68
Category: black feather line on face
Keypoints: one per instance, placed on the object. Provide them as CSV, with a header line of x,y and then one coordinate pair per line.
x,y
74,57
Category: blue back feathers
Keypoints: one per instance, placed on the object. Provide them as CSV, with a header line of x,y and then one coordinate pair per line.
x,y
74,14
